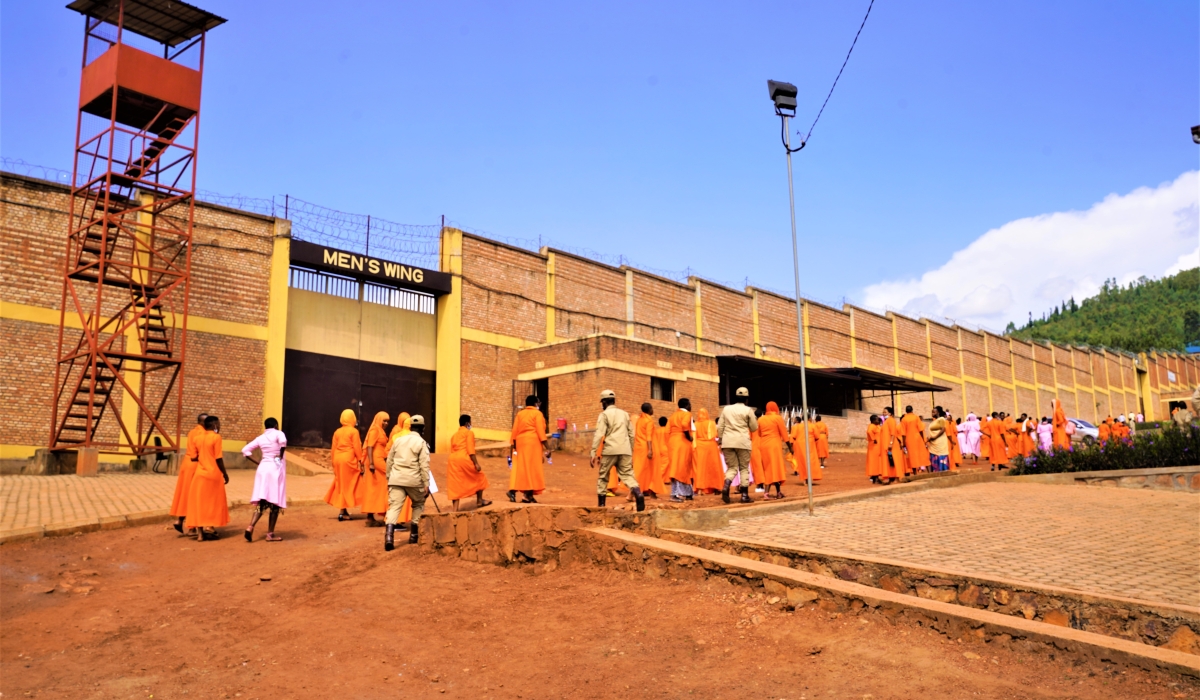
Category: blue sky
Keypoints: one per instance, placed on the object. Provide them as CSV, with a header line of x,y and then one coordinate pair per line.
x,y
644,130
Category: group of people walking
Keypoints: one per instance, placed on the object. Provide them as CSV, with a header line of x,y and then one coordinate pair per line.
x,y
200,504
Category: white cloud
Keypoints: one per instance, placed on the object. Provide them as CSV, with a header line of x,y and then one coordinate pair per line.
x,y
1034,263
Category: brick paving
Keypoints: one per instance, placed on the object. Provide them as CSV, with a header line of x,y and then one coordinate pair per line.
x,y
30,501
1117,542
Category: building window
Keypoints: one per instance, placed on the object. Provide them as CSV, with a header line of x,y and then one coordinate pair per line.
x,y
662,389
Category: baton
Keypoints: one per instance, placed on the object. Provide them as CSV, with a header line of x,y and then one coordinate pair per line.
x,y
430,496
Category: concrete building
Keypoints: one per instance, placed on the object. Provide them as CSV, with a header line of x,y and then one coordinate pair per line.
x,y
289,328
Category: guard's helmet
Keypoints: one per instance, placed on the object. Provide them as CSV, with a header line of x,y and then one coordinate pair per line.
x,y
742,391
607,394
417,420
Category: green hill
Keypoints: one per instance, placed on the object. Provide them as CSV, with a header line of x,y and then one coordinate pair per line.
x,y
1147,314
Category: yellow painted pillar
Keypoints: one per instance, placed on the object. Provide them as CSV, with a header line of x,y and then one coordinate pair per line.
x,y
808,332
551,329
962,369
277,312
699,319
1145,402
987,369
448,397
754,318
629,326
853,339
132,369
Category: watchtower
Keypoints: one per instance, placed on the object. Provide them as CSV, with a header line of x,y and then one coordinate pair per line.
x,y
122,340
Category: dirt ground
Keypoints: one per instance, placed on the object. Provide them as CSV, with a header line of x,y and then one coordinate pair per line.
x,y
570,480
144,613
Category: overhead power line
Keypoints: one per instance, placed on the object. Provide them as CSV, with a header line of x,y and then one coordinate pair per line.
x,y
839,74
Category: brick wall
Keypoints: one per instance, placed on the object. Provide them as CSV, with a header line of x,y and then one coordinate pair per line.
x,y
1022,361
873,341
777,335
504,290
913,344
828,335
231,260
664,311
727,320
943,344
486,389
974,358
588,297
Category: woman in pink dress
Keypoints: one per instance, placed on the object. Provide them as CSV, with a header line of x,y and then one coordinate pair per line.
x,y
270,480
1045,434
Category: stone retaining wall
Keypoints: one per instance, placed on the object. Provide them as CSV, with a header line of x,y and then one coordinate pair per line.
x,y
1125,619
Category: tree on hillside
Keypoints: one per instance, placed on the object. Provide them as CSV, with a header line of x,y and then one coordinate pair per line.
x,y
1144,315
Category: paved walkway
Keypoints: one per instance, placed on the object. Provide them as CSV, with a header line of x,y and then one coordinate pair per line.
x,y
1121,542
32,501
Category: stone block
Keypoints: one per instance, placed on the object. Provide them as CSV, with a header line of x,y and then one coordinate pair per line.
x,y
830,605
531,546
939,582
895,584
1025,604
849,573
1108,482
488,553
818,568
974,596
945,595
540,519
505,537
520,521
424,532
567,519
469,553
1185,640
773,587
1164,481
799,597
1056,617
750,554
1003,596
88,462
461,535
479,528
443,529
779,560
555,539
1195,483
656,567
1132,482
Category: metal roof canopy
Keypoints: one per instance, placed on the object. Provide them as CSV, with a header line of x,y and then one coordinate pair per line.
x,y
168,22
865,379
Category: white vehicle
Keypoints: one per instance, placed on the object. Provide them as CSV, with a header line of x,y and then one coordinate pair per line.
x,y
1085,432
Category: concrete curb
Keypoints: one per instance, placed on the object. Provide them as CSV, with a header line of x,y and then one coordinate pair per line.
x,y
117,522
1097,645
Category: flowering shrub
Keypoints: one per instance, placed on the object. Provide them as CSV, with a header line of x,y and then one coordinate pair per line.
x,y
1171,446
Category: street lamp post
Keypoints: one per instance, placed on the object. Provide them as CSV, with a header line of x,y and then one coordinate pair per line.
x,y
784,97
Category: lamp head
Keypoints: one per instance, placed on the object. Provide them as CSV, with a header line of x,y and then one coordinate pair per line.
x,y
783,95
1196,134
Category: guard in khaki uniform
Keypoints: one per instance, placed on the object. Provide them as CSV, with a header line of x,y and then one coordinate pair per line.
x,y
613,446
733,433
407,476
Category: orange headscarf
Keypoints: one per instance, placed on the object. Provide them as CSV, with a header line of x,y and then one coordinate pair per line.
x,y
348,418
706,429
402,427
772,407
376,429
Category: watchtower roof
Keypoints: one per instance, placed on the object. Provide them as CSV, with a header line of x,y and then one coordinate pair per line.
x,y
168,22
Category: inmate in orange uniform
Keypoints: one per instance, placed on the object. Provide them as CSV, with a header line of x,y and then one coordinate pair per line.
x,y
797,444
985,440
346,454
679,429
1028,430
372,493
207,506
818,432
955,451
643,465
876,458
1105,429
1059,430
772,433
1011,449
914,442
996,449
183,482
462,481
528,434
889,437
662,458
710,476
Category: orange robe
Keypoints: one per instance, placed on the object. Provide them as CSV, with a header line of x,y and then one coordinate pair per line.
x,y
372,492
462,481
183,480
797,444
1105,429
679,428
1011,447
818,433
662,461
889,438
756,468
985,439
1028,444
876,457
643,466
707,457
772,433
346,454
207,505
996,449
1059,431
913,429
955,450
529,432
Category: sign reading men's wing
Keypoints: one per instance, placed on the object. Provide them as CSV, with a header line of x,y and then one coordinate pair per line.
x,y
364,267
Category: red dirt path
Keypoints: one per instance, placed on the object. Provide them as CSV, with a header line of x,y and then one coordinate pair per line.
x,y
142,613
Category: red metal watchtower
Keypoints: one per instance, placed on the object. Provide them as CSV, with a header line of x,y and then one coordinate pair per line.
x,y
123,333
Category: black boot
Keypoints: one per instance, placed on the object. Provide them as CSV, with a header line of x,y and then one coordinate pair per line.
x,y
640,498
745,493
600,499
412,533
512,496
389,537
725,490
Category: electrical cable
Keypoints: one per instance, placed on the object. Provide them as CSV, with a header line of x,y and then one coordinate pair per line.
x,y
839,75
